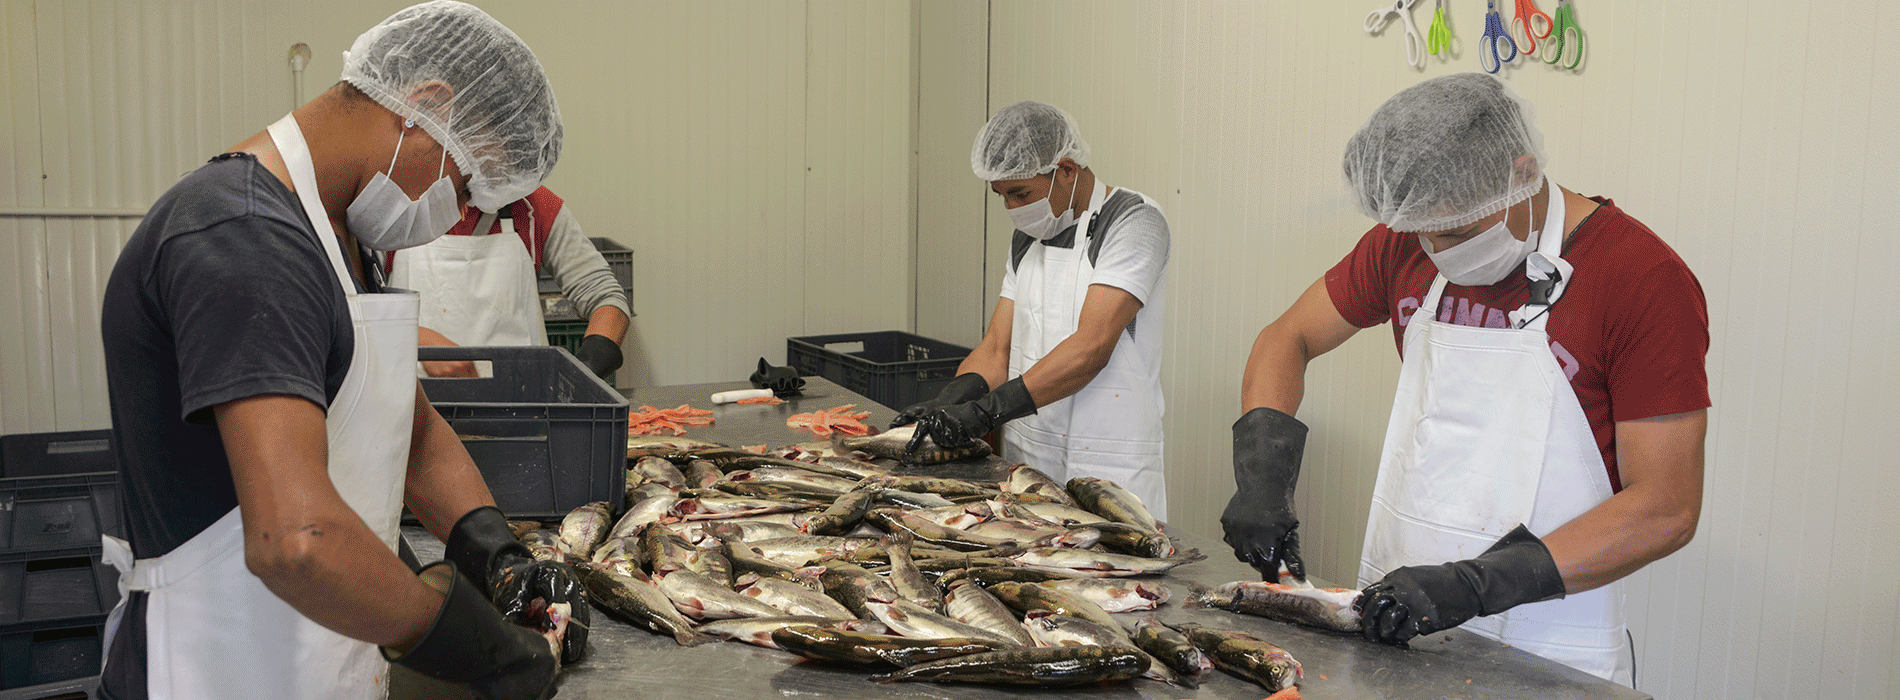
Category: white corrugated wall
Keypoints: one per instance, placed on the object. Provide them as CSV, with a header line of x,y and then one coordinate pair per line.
x,y
755,156
1758,139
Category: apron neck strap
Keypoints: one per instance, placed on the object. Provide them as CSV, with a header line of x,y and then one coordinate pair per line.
x,y
303,175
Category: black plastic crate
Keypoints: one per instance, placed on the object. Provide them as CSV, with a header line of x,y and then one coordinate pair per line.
x,y
32,654
50,454
548,435
893,368
49,513
55,587
619,260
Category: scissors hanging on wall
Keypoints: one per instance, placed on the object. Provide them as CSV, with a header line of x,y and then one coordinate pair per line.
x,y
1414,44
1496,43
1565,38
1526,22
1438,37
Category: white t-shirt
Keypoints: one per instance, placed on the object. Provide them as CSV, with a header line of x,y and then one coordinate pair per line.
x,y
1128,239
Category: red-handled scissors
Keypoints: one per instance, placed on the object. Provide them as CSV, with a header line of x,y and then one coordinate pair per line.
x,y
1526,21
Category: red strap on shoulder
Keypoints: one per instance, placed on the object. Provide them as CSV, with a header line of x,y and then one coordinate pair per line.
x,y
533,217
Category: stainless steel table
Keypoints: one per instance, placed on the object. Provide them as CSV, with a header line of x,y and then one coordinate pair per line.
x,y
628,662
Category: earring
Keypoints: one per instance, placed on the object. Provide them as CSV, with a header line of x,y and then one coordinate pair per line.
x,y
408,123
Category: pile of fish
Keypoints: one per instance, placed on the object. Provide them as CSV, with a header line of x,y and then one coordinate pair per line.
x,y
828,551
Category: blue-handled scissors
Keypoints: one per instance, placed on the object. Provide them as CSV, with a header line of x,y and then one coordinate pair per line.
x,y
1495,38
1414,44
1564,36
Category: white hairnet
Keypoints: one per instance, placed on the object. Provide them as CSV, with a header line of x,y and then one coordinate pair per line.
x,y
1442,154
499,122
1024,140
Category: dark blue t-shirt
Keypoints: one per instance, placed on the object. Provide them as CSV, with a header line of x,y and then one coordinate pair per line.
x,y
224,292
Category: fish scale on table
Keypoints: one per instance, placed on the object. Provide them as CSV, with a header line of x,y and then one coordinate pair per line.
x,y
769,568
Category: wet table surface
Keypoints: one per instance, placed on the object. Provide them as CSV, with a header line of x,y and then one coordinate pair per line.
x,y
624,661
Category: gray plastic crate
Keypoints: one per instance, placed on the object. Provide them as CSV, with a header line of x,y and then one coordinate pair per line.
x,y
49,454
893,368
619,260
547,434
51,513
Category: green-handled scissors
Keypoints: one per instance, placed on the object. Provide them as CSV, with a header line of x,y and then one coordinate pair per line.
x,y
1564,35
1438,38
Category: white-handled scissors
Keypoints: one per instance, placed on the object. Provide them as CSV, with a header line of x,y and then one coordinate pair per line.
x,y
1414,43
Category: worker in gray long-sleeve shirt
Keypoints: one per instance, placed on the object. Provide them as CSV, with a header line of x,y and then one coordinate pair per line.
x,y
479,288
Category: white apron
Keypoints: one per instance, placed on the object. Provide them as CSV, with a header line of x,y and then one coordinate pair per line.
x,y
1486,434
1111,429
212,629
477,289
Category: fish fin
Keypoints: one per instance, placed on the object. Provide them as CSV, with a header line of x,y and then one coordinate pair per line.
x,y
692,638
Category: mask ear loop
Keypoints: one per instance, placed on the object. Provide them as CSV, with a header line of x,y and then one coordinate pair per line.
x,y
406,125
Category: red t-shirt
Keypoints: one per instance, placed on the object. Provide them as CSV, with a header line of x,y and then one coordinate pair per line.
x,y
1631,330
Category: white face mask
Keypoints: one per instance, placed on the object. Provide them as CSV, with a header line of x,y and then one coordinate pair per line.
x,y
384,218
1485,258
1035,220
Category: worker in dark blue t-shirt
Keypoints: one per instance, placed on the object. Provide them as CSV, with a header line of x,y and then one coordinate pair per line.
x,y
263,392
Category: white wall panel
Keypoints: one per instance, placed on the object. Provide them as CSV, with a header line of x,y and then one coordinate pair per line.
x,y
1766,169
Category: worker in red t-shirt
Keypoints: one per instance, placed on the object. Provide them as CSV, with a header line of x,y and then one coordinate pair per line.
x,y
1556,388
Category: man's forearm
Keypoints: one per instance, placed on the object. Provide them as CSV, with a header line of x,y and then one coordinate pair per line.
x,y
443,483
610,322
1618,537
1275,376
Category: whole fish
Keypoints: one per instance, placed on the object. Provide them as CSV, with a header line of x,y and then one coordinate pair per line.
x,y
796,475
843,513
991,575
1325,608
644,445
1027,479
764,527
803,550
893,521
969,604
651,507
1034,596
949,488
790,597
1246,656
1113,594
702,598
875,650
701,474
1171,647
584,528
912,620
1109,500
640,602
1041,667
779,491
959,516
855,587
861,468
949,564
706,507
656,470
1052,630
747,559
1086,563
891,444
907,579
758,630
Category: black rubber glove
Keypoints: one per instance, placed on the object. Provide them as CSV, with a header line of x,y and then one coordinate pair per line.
x,y
487,553
1417,600
959,425
602,356
470,643
968,386
1259,522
